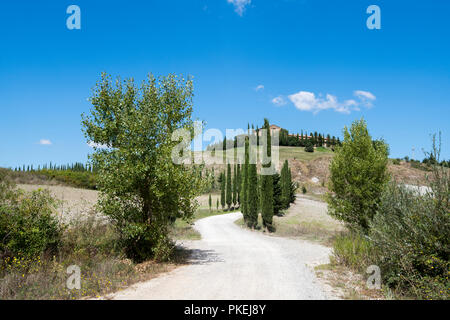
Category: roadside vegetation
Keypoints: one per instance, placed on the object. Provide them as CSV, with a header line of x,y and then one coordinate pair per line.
x,y
37,248
405,233
142,194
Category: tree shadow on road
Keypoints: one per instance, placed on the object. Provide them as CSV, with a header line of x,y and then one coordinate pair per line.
x,y
200,256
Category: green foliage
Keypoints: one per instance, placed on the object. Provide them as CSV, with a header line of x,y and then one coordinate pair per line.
x,y
210,202
229,196
285,186
396,161
78,179
252,197
412,234
234,186
277,200
358,177
245,181
309,146
142,190
267,184
28,226
288,187
222,190
353,250
304,190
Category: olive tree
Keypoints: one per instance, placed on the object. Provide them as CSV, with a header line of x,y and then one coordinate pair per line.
x,y
358,177
141,189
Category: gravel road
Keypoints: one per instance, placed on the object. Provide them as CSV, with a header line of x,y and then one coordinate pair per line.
x,y
231,262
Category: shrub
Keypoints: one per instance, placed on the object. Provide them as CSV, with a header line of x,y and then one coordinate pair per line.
x,y
309,147
304,189
412,233
28,226
396,161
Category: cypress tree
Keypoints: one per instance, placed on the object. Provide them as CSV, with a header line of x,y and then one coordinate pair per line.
x,y
210,202
235,185
267,184
244,192
292,186
229,196
252,210
238,184
285,186
277,202
222,190
224,150
217,204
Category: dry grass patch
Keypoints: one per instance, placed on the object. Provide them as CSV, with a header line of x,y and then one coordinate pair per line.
x,y
347,284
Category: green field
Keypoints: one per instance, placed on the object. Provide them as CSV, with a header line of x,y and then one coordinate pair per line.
x,y
297,153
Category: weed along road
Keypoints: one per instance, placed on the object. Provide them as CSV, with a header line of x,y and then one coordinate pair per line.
x,y
230,262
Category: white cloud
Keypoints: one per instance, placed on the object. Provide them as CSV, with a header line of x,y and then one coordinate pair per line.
x,y
308,101
366,97
279,101
97,145
259,87
45,142
239,5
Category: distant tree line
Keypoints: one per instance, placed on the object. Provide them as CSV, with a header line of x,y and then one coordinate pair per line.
x,y
75,167
303,139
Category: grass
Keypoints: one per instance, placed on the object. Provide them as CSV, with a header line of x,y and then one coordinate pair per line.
x,y
306,219
76,179
297,153
348,284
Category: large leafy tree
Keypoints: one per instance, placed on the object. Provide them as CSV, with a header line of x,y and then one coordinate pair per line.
x,y
141,189
358,177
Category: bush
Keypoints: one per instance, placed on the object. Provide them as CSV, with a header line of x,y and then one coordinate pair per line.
x,y
309,146
396,161
304,189
412,236
28,226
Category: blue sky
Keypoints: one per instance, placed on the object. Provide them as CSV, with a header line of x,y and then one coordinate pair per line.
x,y
304,64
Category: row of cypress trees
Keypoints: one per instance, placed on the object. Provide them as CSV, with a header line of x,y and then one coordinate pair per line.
x,y
76,167
265,194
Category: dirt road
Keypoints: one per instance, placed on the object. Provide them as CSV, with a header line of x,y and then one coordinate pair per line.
x,y
234,263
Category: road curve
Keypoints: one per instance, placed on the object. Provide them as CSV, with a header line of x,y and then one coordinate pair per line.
x,y
231,262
